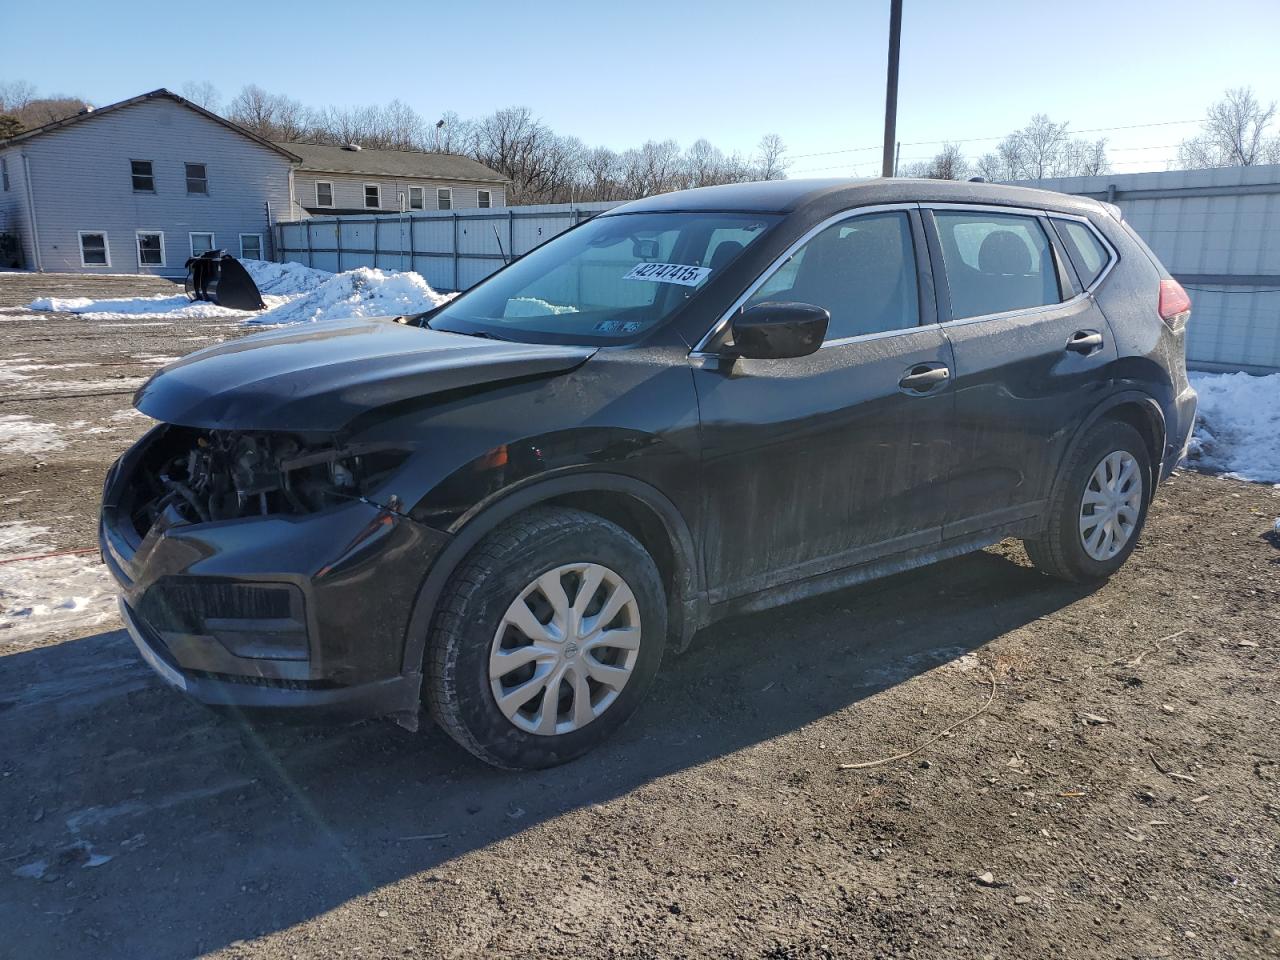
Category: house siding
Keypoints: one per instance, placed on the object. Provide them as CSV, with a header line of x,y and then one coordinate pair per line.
x,y
348,193
81,181
13,205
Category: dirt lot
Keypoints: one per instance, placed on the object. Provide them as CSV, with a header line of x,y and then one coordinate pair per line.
x,y
1122,789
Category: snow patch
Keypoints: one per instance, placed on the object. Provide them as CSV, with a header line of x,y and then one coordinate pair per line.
x,y
21,434
1237,430
49,595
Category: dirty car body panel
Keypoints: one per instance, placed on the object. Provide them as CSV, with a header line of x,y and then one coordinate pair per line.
x,y
282,537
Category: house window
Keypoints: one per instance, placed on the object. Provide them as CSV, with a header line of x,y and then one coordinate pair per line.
x,y
484,198
324,193
94,251
150,248
417,198
201,243
250,246
144,180
372,196
444,198
197,179
4,173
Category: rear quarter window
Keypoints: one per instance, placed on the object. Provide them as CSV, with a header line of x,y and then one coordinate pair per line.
x,y
1087,253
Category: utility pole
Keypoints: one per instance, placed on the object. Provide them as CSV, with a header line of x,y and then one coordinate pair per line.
x,y
891,88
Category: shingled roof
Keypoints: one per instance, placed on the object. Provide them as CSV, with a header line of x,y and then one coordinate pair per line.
x,y
160,94
319,158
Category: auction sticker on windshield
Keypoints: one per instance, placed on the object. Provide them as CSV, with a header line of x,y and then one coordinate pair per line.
x,y
669,273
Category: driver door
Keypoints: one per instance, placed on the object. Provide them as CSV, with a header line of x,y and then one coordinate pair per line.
x,y
816,463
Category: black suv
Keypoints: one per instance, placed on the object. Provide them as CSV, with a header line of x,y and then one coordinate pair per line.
x,y
695,405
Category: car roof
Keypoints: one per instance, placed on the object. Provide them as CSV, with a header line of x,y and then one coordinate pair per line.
x,y
833,195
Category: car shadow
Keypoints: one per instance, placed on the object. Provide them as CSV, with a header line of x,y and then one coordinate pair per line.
x,y
140,824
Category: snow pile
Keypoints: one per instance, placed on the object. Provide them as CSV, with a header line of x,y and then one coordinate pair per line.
x,y
293,294
363,292
284,279
66,594
1237,426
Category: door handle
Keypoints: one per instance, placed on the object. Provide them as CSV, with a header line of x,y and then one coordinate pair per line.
x,y
1085,341
923,377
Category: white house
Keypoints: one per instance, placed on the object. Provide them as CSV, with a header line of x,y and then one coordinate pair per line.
x,y
346,180
140,186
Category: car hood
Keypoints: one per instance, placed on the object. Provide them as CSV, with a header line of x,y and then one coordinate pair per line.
x,y
321,376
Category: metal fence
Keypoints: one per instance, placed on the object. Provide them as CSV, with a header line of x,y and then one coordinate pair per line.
x,y
1218,232
451,249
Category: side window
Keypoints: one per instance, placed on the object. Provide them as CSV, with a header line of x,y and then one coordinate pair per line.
x,y
1086,251
862,270
995,262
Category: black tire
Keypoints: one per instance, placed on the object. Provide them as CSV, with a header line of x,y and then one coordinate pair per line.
x,y
1059,551
456,683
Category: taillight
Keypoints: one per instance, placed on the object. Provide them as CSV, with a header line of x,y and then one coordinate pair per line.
x,y
1175,305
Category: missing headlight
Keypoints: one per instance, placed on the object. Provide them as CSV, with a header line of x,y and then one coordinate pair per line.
x,y
224,474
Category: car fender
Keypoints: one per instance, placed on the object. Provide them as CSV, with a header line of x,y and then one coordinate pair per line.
x,y
687,608
1149,404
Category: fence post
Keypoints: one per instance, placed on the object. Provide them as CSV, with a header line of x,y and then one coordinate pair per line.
x,y
376,231
411,243
511,233
337,240
310,258
456,282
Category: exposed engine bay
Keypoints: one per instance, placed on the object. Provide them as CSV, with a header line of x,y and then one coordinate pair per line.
x,y
205,475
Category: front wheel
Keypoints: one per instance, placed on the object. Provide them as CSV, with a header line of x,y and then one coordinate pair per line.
x,y
546,639
1098,507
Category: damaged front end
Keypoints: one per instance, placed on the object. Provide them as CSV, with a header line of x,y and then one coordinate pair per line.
x,y
268,569
198,476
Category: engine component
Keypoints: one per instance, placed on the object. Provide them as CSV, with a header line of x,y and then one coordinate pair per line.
x,y
203,476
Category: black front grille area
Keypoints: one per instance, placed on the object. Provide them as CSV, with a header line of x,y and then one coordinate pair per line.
x,y
184,605
258,621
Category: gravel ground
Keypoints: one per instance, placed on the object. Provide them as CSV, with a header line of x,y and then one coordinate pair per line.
x,y
1119,796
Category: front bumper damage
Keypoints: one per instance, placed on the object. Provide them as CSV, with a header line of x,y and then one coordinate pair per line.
x,y
302,612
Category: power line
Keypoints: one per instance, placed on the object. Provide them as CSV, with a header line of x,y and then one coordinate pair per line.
x,y
920,143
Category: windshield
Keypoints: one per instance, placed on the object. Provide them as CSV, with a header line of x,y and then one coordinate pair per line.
x,y
608,281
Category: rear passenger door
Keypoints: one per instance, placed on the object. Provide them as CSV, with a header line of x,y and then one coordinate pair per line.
x,y
1032,353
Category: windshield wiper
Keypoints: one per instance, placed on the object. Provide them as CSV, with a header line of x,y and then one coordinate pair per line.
x,y
482,334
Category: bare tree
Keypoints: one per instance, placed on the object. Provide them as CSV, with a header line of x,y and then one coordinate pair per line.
x,y
451,134
704,164
604,175
1006,163
270,115
1083,158
521,148
949,163
203,94
1041,141
773,165
1235,134
16,95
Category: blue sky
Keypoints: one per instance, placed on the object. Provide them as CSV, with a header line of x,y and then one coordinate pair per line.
x,y
617,74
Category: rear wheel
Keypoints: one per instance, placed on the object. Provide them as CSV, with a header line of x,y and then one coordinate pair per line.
x,y
1098,507
546,639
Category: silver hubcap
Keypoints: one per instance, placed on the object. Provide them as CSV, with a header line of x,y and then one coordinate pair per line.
x,y
1111,504
565,649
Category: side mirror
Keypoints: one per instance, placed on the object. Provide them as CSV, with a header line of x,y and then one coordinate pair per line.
x,y
774,331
